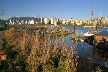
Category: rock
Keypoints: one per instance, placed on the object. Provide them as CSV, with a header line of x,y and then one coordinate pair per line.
x,y
58,30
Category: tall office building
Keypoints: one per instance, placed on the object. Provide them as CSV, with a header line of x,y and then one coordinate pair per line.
x,y
42,20
39,20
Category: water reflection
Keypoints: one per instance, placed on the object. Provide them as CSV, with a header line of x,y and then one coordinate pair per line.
x,y
84,50
101,57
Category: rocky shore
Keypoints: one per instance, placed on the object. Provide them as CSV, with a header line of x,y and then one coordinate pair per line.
x,y
53,30
58,30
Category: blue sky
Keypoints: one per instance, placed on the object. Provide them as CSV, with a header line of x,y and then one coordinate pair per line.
x,y
63,9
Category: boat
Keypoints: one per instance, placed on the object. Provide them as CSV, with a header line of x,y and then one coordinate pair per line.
x,y
89,26
91,32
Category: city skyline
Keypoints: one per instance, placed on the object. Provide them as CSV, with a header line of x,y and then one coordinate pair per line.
x,y
61,9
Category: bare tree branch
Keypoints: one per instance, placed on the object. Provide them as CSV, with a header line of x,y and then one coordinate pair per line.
x,y
2,11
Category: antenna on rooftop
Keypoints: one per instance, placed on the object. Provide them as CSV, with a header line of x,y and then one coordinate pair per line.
x,y
92,13
100,15
100,18
38,16
2,11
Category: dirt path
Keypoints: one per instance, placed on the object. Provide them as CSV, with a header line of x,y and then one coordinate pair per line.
x,y
1,32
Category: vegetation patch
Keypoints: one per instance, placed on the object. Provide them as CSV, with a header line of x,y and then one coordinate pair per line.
x,y
3,28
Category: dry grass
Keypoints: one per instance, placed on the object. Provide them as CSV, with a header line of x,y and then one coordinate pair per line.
x,y
39,53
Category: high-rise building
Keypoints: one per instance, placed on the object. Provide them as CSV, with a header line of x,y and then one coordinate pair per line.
x,y
55,20
46,20
52,20
42,20
26,22
10,22
39,20
13,22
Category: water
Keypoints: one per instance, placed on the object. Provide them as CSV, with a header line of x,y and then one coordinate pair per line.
x,y
84,49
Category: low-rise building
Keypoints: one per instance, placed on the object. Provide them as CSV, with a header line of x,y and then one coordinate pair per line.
x,y
31,21
63,21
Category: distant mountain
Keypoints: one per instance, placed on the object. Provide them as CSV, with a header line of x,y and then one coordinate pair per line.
x,y
23,18
3,20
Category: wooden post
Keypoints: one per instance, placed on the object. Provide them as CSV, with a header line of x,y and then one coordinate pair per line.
x,y
96,27
100,22
74,28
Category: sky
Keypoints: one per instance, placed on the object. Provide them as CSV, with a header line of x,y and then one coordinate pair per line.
x,y
62,9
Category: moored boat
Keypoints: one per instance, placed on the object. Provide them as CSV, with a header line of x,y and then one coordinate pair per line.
x,y
88,34
89,26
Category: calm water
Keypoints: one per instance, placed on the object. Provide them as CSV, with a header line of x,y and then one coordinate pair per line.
x,y
84,49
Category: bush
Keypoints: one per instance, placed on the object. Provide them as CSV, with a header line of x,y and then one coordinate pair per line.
x,y
33,52
3,28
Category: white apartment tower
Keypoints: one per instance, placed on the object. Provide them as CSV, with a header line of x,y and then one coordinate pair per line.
x,y
52,20
13,22
46,20
10,22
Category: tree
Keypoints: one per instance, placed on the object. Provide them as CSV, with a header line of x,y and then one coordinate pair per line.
x,y
2,11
